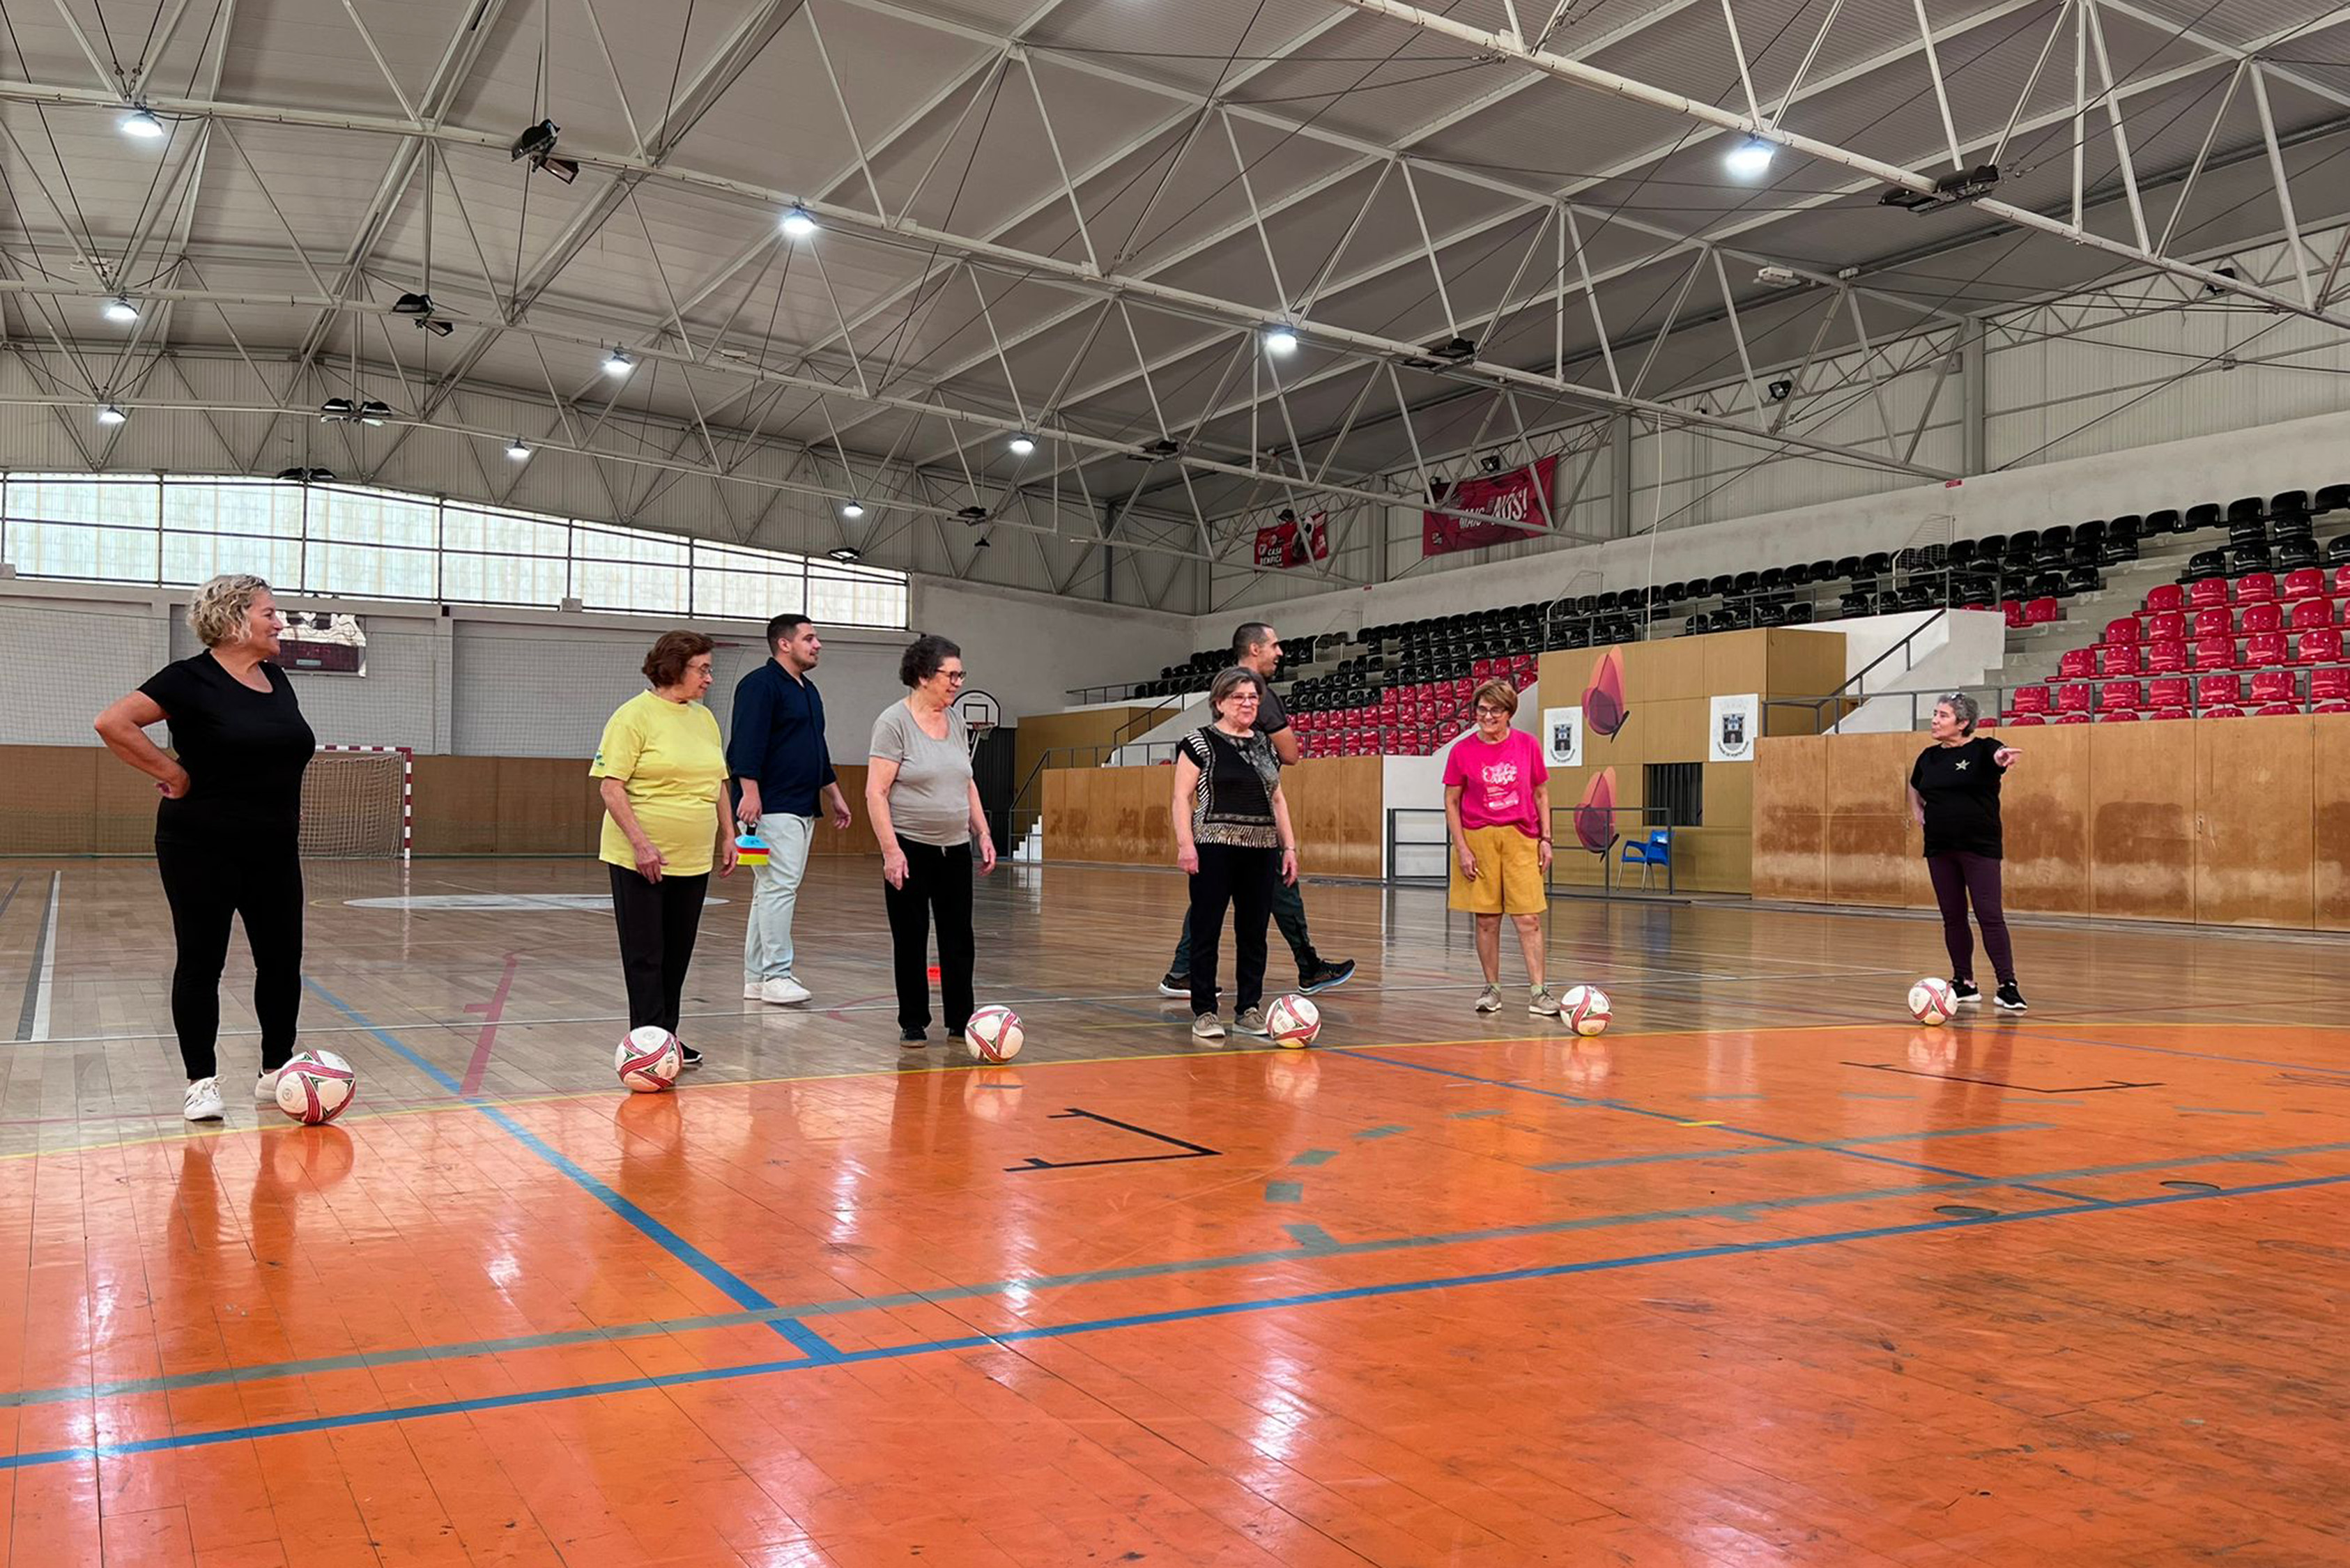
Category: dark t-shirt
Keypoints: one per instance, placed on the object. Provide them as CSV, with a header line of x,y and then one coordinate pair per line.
x,y
1959,785
244,752
1233,804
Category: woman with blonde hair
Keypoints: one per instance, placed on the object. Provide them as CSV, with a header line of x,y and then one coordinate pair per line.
x,y
228,829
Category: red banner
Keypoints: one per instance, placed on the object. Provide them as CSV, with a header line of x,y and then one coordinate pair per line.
x,y
1281,546
1518,502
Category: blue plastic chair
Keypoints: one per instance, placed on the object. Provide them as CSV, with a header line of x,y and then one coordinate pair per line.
x,y
1651,852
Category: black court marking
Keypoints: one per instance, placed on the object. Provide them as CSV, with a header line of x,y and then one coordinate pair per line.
x,y
1965,1211
1186,1147
2193,1185
2000,1082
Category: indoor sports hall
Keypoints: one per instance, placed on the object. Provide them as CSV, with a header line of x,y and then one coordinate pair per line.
x,y
1314,783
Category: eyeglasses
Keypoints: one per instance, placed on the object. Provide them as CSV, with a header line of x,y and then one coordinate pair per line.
x,y
953,675
1487,711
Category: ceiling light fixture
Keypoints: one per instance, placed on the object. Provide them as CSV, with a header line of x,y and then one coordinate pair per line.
x,y
111,414
846,553
538,144
1022,445
1281,338
120,309
518,450
852,509
618,363
798,222
338,408
372,412
142,124
1750,159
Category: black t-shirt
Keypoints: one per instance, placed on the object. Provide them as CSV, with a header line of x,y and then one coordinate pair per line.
x,y
1232,803
245,751
1959,785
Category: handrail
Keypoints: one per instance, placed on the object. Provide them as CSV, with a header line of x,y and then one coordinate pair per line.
x,y
1901,647
1995,710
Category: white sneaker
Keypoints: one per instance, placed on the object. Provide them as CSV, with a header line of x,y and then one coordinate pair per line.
x,y
265,1089
784,992
203,1103
751,990
1489,999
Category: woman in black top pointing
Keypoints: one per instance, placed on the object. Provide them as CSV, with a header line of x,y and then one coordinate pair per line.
x,y
228,832
1954,797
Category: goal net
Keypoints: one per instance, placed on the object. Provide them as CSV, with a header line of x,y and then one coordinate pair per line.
x,y
355,804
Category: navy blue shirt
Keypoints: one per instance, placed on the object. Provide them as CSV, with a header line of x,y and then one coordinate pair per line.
x,y
777,741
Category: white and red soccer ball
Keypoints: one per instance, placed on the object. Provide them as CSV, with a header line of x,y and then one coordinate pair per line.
x,y
315,1088
649,1060
1586,1010
994,1034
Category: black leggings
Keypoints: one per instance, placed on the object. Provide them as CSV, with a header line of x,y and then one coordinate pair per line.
x,y
1244,878
208,885
938,887
1959,876
657,922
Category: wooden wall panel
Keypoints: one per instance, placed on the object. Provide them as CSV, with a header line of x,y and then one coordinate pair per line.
x,y
2045,814
1042,732
1873,848
122,809
46,798
1789,821
1798,663
2254,841
547,806
456,805
1119,816
2330,774
2141,818
859,839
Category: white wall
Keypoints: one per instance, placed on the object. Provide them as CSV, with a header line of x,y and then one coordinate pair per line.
x,y
1031,649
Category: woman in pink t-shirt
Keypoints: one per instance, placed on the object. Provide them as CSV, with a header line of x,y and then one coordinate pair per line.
x,y
1497,805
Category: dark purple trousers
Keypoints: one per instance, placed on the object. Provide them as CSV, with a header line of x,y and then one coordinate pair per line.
x,y
1959,877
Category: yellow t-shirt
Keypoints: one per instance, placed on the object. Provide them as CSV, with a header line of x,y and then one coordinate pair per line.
x,y
669,756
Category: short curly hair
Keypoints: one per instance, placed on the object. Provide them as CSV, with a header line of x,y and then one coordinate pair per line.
x,y
923,658
1499,693
665,665
216,615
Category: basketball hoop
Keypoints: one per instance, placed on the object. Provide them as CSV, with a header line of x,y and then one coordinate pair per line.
x,y
981,712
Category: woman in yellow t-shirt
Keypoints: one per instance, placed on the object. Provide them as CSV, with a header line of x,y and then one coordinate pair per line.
x,y
663,774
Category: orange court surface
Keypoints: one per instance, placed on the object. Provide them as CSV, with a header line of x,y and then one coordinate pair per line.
x,y
1766,1274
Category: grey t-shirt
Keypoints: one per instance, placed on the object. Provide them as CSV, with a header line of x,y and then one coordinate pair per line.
x,y
930,801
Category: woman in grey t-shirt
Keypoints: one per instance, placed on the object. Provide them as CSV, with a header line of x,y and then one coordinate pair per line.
x,y
925,813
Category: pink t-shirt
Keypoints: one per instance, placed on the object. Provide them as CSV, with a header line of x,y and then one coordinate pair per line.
x,y
1497,783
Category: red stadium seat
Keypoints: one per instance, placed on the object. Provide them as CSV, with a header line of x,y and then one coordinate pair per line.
x,y
2342,582
2023,720
2254,587
2120,696
2262,618
2310,613
2278,711
2265,648
2124,716
2121,661
2076,664
2215,621
2215,653
2175,691
2329,685
2335,707
2275,686
2122,630
2072,718
2206,591
2030,699
2072,698
2165,658
2166,597
2305,583
2171,714
2013,610
2219,691
2323,646
2168,626
2041,612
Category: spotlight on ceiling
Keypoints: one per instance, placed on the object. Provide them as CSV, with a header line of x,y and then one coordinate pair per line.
x,y
120,309
1022,445
142,124
1490,462
538,144
1440,355
1280,339
1154,451
306,476
1750,159
852,509
372,412
972,516
1782,389
798,222
1952,190
435,325
846,553
338,408
518,450
111,414
412,304
618,363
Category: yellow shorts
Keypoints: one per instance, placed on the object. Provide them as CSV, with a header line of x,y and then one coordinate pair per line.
x,y
1508,874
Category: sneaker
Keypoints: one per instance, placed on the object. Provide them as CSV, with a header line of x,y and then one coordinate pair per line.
x,y
751,990
1250,1020
1491,999
2011,999
1175,983
912,1039
264,1088
1541,1002
782,992
1965,991
1206,1026
1323,976
203,1103
691,1057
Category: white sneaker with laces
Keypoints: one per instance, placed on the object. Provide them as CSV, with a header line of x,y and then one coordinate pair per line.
x,y
1206,1026
784,992
1491,999
265,1089
203,1102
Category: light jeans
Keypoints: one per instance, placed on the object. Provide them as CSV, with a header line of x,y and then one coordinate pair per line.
x,y
775,887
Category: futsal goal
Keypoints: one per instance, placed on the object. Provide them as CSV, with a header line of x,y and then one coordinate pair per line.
x,y
359,804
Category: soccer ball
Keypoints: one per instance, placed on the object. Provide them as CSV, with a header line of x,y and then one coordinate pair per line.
x,y
648,1059
1292,1021
994,1034
1585,1009
1931,1001
315,1088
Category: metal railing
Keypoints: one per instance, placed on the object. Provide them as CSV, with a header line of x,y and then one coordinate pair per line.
x,y
1857,686
1996,700
1417,819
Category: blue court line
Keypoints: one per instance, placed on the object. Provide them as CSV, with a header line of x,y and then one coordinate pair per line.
x,y
2214,1111
1283,1191
1313,1238
1747,1150
1315,1156
87,1452
734,1288
1382,1132
1472,1116
2195,1055
1730,1096
1677,1120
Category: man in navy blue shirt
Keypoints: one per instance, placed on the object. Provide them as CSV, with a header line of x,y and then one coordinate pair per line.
x,y
777,755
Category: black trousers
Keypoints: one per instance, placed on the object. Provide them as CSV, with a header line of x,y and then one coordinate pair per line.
x,y
657,922
208,885
938,888
1245,879
1957,878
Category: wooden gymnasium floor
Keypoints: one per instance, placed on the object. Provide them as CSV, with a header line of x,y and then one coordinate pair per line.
x,y
1766,1275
